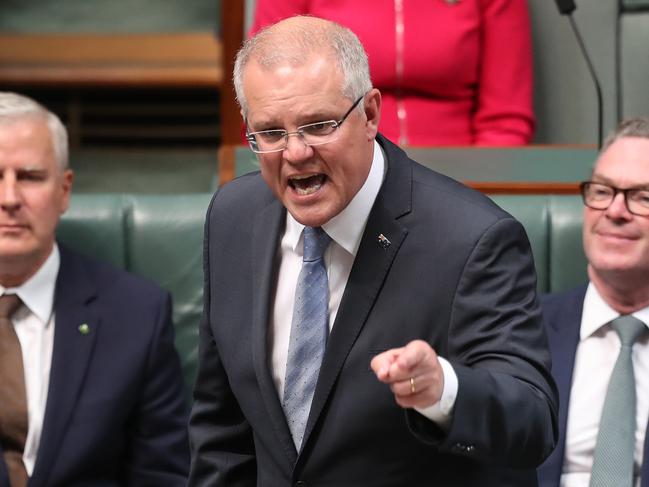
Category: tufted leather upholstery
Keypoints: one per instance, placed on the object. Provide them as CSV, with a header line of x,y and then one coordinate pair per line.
x,y
160,237
553,225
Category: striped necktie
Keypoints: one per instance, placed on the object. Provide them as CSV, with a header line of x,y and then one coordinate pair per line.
x,y
13,396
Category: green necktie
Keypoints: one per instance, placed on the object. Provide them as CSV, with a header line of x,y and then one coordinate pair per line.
x,y
613,459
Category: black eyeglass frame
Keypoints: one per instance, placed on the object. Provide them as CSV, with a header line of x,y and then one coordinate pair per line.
x,y
585,185
250,136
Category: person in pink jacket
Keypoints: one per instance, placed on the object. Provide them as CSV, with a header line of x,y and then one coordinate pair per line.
x,y
451,72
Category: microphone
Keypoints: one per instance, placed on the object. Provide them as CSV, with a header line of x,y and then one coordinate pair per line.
x,y
566,7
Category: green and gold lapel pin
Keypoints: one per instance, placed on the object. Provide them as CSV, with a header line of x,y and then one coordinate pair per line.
x,y
84,329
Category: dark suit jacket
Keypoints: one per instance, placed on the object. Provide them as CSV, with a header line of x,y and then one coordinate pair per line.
x,y
115,412
458,274
562,320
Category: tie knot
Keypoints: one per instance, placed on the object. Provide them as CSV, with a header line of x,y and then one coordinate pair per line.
x,y
629,328
9,303
315,243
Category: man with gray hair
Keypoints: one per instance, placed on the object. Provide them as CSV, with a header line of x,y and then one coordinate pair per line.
x,y
598,332
367,322
90,384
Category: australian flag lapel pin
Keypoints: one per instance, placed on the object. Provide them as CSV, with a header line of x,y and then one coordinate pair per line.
x,y
383,241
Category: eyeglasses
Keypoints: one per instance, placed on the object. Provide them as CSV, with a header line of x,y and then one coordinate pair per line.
x,y
600,196
316,133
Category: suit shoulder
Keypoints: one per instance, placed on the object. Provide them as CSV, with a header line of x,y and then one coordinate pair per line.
x,y
234,206
433,191
247,191
453,189
556,306
563,298
107,278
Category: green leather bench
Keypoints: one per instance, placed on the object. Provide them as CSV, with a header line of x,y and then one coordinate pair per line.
x,y
156,236
160,237
553,224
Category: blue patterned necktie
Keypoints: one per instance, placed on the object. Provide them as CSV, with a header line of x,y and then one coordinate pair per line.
x,y
613,459
309,330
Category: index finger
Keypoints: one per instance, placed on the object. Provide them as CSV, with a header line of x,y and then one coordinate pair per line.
x,y
381,363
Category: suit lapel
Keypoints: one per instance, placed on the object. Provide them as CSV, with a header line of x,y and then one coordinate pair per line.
x,y
370,268
563,338
267,229
70,357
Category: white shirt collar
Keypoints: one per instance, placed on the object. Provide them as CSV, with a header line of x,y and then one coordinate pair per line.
x,y
597,313
347,227
37,293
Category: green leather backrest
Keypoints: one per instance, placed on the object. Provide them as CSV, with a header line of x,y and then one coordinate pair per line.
x,y
158,237
568,263
94,225
165,241
532,212
553,225
109,16
161,237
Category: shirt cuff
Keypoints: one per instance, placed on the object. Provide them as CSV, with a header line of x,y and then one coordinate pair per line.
x,y
441,412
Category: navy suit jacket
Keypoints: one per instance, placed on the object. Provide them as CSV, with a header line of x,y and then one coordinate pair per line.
x,y
115,412
458,273
562,320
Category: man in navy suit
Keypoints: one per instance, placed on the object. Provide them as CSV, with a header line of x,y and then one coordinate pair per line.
x,y
583,342
435,370
93,392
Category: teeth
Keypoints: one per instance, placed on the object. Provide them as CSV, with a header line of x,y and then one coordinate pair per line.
x,y
307,184
309,189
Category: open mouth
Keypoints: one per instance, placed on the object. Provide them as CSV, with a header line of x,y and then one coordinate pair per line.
x,y
306,185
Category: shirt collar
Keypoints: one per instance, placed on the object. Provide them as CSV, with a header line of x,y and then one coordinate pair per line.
x,y
347,227
37,293
597,313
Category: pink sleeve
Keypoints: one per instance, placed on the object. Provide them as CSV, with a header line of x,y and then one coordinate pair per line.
x,y
504,114
268,12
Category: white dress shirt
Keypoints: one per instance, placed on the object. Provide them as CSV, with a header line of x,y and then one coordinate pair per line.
x,y
599,346
346,230
34,325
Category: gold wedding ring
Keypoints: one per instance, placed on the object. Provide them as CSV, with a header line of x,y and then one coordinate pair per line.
x,y
412,385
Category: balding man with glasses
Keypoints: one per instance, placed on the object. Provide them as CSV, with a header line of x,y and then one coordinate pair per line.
x,y
367,322
598,332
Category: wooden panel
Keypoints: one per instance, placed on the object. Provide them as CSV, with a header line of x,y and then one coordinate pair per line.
x,y
163,60
523,187
108,16
226,163
232,13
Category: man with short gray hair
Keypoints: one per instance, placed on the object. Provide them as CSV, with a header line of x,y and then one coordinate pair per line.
x,y
367,322
90,384
598,331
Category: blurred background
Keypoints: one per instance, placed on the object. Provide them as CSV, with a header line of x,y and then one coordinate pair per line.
x,y
144,85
